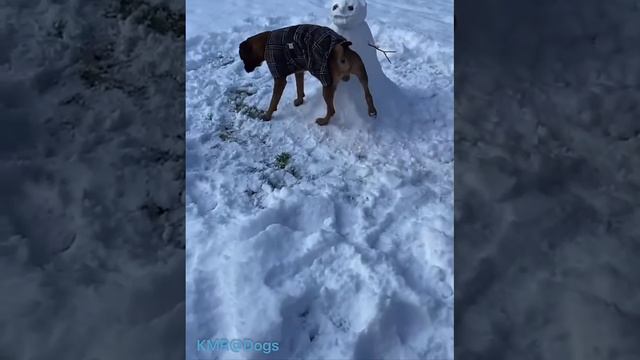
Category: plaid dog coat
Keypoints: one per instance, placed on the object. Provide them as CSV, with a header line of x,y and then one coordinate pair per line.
x,y
301,47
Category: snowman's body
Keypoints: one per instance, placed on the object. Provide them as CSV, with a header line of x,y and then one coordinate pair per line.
x,y
348,19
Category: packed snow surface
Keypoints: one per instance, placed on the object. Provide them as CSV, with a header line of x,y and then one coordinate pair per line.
x,y
335,241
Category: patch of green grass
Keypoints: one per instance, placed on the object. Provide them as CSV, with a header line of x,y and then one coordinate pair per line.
x,y
225,132
224,136
283,160
237,101
250,110
241,108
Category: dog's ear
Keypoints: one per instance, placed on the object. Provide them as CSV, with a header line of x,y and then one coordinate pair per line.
x,y
248,57
347,44
245,50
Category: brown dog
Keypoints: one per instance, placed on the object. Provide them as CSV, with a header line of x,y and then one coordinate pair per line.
x,y
296,49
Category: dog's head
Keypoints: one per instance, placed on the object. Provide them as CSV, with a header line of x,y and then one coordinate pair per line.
x,y
251,51
249,57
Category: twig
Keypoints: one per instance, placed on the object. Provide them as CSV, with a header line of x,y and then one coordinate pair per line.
x,y
383,51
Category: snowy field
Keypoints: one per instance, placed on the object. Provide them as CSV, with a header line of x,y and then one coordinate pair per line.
x,y
335,241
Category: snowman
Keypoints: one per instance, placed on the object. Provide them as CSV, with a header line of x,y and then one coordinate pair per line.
x,y
349,20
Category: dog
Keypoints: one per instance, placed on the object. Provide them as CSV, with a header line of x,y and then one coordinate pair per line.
x,y
296,49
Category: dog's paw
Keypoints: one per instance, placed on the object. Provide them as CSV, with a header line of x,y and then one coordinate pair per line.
x,y
373,114
266,117
298,102
322,121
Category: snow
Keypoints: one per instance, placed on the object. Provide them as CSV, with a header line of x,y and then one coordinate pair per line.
x,y
346,250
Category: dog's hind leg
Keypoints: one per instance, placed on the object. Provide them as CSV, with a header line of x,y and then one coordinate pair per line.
x,y
327,94
359,70
299,88
278,89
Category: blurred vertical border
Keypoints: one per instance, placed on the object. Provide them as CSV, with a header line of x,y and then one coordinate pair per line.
x,y
92,179
547,180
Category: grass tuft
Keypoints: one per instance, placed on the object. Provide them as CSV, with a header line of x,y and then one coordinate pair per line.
x,y
283,160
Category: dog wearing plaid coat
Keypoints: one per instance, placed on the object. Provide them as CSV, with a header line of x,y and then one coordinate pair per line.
x,y
296,49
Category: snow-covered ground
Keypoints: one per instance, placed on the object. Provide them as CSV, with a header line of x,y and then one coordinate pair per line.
x,y
335,241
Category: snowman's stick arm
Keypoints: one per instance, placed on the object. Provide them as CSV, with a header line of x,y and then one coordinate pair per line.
x,y
383,51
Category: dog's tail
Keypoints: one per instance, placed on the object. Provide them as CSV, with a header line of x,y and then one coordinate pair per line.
x,y
339,50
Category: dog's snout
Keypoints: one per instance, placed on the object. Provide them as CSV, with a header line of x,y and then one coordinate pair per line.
x,y
249,68
346,78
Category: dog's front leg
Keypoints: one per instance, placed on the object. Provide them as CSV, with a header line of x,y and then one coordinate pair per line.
x,y
327,94
299,88
278,89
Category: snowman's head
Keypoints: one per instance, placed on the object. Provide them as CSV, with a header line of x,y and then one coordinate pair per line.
x,y
347,13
